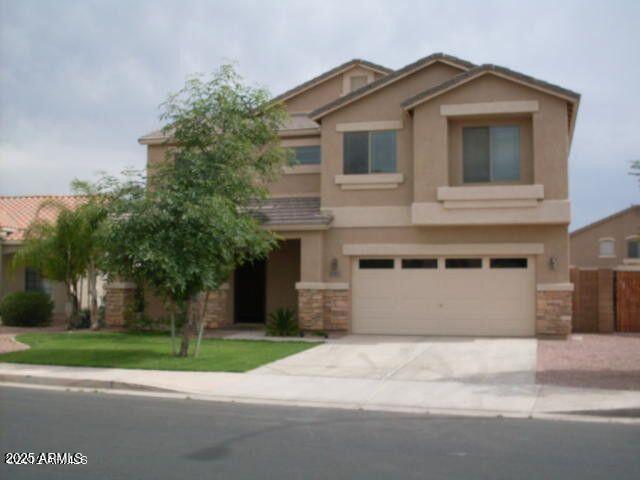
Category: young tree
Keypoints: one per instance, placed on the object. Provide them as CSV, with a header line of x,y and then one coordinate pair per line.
x,y
185,233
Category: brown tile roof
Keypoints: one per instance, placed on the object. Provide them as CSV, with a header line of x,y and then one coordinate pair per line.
x,y
330,73
16,213
452,82
606,219
395,75
292,211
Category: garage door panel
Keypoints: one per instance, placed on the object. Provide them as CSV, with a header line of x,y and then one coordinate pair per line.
x,y
455,301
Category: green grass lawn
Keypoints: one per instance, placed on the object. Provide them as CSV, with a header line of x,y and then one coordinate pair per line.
x,y
147,351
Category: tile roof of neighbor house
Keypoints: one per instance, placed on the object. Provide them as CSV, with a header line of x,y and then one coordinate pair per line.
x,y
454,81
607,219
388,79
292,211
16,213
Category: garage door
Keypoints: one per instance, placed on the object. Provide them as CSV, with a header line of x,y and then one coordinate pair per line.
x,y
444,296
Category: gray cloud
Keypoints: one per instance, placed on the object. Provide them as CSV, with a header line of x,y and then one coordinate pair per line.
x,y
81,80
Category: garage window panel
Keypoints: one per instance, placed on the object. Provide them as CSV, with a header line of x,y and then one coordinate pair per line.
x,y
429,263
376,263
509,263
463,263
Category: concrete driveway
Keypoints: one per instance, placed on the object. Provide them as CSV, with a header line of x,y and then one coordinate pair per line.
x,y
473,360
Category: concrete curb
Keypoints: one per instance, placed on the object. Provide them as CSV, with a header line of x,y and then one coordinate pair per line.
x,y
435,412
82,383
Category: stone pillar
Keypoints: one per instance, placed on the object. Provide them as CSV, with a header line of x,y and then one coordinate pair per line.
x,y
216,312
311,308
336,309
553,311
119,297
323,306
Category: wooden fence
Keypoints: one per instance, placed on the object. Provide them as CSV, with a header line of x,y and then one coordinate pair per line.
x,y
605,300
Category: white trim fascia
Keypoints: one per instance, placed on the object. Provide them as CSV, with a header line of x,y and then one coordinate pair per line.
x,y
492,192
631,261
369,181
370,126
321,286
555,287
384,216
395,249
633,237
301,169
489,108
546,212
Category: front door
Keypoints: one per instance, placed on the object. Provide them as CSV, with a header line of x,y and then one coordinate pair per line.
x,y
250,289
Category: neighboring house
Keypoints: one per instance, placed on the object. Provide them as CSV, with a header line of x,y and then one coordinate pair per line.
x,y
16,213
611,242
428,200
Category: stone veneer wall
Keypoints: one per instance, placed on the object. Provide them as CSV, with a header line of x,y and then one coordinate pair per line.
x,y
553,312
215,315
320,309
119,297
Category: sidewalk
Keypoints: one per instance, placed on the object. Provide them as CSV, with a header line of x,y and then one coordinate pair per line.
x,y
368,394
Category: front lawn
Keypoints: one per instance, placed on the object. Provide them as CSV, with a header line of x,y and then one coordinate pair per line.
x,y
147,351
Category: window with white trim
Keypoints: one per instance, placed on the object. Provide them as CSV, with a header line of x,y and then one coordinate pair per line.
x,y
607,247
491,154
369,152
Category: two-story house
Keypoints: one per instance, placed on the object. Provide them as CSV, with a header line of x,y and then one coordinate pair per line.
x,y
428,200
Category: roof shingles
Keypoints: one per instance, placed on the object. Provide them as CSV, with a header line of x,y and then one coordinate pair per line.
x,y
292,211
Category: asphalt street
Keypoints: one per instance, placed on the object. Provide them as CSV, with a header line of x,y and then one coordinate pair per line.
x,y
137,437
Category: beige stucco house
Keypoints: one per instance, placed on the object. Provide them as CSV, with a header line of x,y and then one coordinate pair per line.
x,y
429,200
16,213
611,242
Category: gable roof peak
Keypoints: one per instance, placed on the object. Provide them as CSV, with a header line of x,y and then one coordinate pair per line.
x,y
391,78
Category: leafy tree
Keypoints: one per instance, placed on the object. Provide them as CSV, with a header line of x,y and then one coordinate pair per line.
x,y
185,233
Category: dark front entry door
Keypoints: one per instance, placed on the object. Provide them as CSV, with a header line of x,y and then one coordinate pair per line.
x,y
250,289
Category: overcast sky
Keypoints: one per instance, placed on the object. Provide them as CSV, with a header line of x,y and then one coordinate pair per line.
x,y
81,80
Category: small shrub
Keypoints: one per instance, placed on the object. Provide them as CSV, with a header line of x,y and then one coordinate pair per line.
x,y
26,309
283,322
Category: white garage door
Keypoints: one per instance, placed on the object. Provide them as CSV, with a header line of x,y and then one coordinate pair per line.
x,y
444,296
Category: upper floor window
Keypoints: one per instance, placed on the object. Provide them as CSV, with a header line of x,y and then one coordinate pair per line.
x,y
306,155
633,247
357,81
607,247
370,152
491,154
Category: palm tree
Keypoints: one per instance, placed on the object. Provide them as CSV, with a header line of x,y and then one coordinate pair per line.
x,y
66,250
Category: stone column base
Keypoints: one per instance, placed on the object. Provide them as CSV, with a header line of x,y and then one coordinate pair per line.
x,y
215,315
118,299
553,312
323,309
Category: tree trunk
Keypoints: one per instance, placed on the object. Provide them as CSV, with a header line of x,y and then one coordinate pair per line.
x,y
71,308
93,296
187,329
200,323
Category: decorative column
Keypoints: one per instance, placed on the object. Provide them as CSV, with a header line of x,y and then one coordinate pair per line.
x,y
216,314
554,308
323,306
